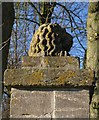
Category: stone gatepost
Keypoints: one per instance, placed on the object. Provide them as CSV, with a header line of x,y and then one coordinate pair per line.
x,y
49,84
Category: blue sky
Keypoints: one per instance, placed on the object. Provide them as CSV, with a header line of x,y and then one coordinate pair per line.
x,y
76,50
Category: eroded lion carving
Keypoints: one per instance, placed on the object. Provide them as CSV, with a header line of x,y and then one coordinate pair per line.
x,y
50,40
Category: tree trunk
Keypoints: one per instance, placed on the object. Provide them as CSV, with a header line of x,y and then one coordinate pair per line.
x,y
7,24
46,11
92,61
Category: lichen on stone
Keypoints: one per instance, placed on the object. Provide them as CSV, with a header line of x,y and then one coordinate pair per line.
x,y
94,7
65,77
35,77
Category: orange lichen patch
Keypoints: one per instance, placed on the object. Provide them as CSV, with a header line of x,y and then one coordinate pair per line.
x,y
59,62
65,76
91,74
46,61
48,77
35,77
70,60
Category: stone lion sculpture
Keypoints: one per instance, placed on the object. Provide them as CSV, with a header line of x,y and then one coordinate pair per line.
x,y
50,40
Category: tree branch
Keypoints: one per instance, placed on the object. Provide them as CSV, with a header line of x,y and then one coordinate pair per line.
x,y
71,18
67,12
28,20
35,9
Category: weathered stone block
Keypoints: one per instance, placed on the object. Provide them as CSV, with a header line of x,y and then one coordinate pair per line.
x,y
72,104
48,77
72,113
49,72
49,103
30,104
69,63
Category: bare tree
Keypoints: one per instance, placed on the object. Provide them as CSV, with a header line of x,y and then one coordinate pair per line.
x,y
68,15
92,61
7,24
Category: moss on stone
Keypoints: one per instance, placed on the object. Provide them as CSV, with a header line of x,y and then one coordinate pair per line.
x,y
63,78
35,77
70,60
94,7
48,77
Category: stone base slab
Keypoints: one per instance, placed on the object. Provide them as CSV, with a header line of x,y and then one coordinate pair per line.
x,y
48,77
45,103
49,71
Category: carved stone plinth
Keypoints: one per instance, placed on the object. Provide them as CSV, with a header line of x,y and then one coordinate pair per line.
x,y
50,83
49,87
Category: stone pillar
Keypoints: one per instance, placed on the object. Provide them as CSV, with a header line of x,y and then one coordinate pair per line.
x,y
49,87
49,84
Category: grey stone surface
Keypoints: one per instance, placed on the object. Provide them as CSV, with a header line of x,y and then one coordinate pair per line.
x,y
69,63
72,104
30,103
62,103
72,113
